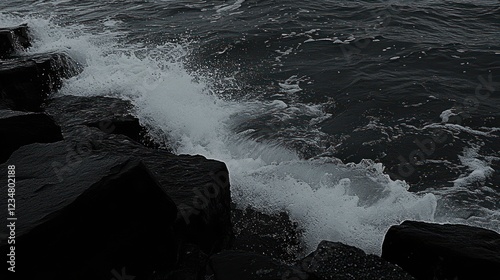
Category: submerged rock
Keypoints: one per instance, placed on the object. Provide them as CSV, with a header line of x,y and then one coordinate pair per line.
x,y
18,129
14,39
337,261
25,82
443,251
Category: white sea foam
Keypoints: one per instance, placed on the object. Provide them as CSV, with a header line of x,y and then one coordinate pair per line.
x,y
111,23
351,203
446,114
291,85
454,204
229,7
479,169
460,128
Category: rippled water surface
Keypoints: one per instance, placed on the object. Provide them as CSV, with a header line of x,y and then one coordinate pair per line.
x,y
349,115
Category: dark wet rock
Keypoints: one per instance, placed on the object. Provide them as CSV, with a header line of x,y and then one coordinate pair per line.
x,y
19,128
275,236
14,39
242,265
127,222
97,204
110,115
109,216
25,82
198,186
200,189
448,251
337,261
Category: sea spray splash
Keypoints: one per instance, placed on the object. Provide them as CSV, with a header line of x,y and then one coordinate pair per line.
x,y
353,203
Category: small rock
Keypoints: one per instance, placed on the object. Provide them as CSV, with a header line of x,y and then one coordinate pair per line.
x,y
14,39
337,261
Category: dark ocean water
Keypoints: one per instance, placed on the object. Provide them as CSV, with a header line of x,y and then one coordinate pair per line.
x,y
349,115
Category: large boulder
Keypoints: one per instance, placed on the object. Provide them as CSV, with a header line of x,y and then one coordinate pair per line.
x,y
443,251
26,81
108,217
198,186
337,261
200,189
93,200
14,39
18,129
242,265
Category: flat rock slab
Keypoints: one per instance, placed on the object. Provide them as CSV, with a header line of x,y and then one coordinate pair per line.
x,y
14,39
111,115
337,261
18,129
242,265
25,82
443,251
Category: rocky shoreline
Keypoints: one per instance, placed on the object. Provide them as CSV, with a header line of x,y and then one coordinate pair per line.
x,y
96,198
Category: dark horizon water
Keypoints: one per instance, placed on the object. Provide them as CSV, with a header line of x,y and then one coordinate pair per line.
x,y
350,116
